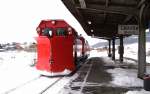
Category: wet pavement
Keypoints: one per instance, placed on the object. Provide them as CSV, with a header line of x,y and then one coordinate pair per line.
x,y
98,73
94,79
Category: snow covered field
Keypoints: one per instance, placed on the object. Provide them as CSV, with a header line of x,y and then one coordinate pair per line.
x,y
131,47
15,69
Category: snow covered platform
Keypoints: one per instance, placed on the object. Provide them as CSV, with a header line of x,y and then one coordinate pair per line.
x,y
100,75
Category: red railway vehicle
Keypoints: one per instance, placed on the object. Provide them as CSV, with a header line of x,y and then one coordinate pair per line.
x,y
85,48
58,48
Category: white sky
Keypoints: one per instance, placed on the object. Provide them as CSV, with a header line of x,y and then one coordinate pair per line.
x,y
19,18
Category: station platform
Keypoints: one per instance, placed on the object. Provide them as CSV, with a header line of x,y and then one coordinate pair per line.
x,y
95,77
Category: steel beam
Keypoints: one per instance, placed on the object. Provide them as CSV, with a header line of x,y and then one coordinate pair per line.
x,y
127,18
113,48
82,3
109,49
141,3
141,45
113,9
121,49
126,3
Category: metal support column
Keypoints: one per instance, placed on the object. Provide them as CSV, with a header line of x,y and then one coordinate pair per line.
x,y
113,48
121,49
109,49
141,45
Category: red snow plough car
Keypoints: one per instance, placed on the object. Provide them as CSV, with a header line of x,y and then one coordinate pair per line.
x,y
59,48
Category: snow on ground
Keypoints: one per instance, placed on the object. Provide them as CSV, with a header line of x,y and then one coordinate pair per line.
x,y
131,51
61,84
131,47
15,69
35,87
121,77
95,53
125,77
138,92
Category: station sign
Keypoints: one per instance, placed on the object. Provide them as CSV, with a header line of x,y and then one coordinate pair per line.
x,y
128,29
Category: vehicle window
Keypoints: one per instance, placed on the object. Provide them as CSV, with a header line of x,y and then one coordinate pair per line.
x,y
61,32
47,32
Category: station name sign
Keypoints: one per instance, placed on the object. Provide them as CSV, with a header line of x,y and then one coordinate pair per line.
x,y
128,29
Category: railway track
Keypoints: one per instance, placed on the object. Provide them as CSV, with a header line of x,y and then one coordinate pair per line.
x,y
39,85
51,85
21,85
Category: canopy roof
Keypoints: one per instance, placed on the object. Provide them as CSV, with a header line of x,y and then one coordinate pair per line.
x,y
100,18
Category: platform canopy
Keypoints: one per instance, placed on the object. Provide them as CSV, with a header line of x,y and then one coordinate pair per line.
x,y
100,18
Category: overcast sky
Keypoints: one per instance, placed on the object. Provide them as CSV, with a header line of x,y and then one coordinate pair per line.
x,y
19,18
